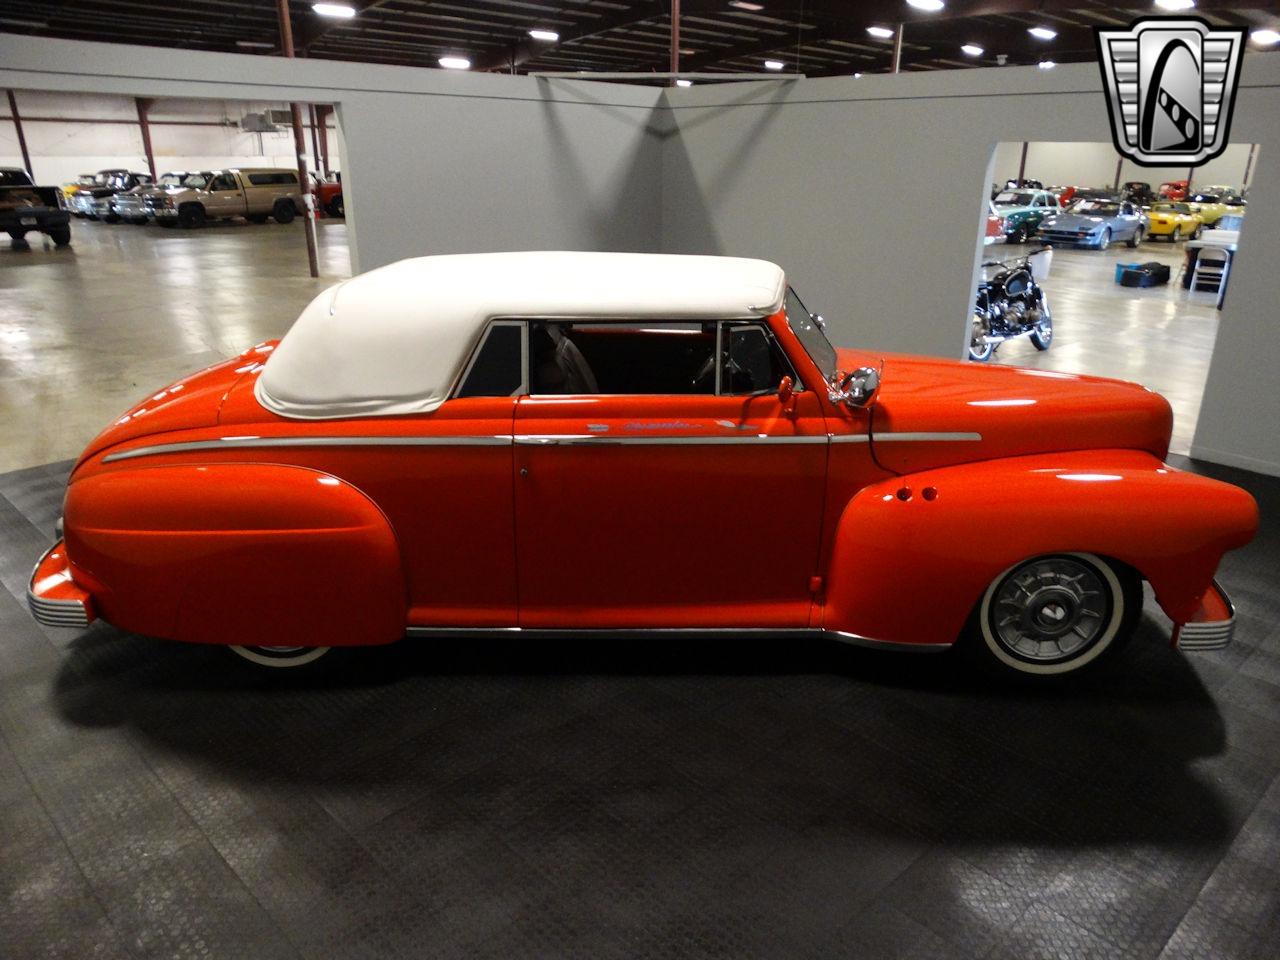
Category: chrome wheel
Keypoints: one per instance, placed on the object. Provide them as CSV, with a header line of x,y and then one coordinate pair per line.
x,y
1052,614
280,656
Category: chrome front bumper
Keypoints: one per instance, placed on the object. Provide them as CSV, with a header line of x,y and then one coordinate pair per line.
x,y
52,596
1216,626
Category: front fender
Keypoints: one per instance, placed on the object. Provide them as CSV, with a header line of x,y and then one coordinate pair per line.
x,y
243,553
913,555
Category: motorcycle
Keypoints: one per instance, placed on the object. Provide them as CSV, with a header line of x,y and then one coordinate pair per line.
x,y
1011,304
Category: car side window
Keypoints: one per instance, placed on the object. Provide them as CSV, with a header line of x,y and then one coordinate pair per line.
x,y
223,182
497,367
753,361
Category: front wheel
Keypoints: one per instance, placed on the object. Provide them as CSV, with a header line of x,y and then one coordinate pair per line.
x,y
60,236
1055,614
281,657
1042,333
191,215
980,348
1177,235
1105,240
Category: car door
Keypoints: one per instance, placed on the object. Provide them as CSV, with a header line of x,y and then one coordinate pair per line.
x,y
225,197
667,500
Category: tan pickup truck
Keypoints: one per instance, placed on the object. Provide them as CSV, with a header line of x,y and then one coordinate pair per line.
x,y
253,193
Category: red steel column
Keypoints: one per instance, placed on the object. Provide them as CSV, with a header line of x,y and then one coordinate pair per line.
x,y
675,39
299,145
143,106
22,137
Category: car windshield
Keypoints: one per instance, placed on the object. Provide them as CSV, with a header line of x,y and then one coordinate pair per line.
x,y
170,179
1205,198
1171,208
1096,208
805,326
1011,199
196,180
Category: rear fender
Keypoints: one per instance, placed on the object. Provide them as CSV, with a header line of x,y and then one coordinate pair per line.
x,y
912,555
251,554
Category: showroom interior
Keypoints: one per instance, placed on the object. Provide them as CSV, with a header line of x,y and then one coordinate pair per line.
x,y
630,792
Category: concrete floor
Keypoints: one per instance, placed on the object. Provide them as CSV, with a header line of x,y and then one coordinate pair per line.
x,y
86,331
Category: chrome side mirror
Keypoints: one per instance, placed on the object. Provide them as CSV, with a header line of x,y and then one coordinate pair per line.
x,y
855,388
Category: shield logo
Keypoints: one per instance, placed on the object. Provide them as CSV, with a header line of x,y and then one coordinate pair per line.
x,y
1170,84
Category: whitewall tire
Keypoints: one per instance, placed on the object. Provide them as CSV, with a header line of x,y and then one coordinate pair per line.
x,y
1055,614
281,657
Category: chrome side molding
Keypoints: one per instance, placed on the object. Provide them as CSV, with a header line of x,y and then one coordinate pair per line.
x,y
709,633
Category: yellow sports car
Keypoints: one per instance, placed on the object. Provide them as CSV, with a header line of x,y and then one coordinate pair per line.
x,y
1209,207
1173,220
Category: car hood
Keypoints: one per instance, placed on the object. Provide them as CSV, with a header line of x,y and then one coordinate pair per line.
x,y
931,413
1074,221
187,404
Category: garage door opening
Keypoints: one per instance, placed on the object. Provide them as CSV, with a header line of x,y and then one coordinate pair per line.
x,y
1089,263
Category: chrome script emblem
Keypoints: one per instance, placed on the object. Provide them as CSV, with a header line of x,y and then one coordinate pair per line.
x,y
1170,84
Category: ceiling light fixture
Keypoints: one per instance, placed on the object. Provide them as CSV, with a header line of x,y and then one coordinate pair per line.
x,y
744,5
1042,33
929,6
774,65
684,83
255,44
884,33
972,50
548,35
857,76
1175,4
1265,37
343,10
1046,64
455,63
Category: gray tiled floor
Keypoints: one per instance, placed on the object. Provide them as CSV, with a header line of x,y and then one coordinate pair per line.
x,y
633,799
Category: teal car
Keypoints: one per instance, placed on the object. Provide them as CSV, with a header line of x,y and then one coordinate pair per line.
x,y
1022,210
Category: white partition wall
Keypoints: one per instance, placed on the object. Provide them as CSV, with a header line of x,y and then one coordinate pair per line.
x,y
869,191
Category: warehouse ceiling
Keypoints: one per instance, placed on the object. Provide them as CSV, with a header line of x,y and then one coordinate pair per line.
x,y
814,37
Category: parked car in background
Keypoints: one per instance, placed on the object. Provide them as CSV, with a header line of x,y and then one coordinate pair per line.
x,y
1023,210
133,206
1024,184
329,195
1064,194
1139,192
1173,221
74,186
252,193
408,459
94,201
1229,196
1209,207
25,207
1095,223
1174,189
994,227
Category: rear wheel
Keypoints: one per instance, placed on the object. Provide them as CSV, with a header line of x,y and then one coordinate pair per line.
x,y
281,657
284,211
60,236
1055,614
335,207
1136,238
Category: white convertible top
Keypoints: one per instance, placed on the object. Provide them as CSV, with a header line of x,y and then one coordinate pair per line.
x,y
393,340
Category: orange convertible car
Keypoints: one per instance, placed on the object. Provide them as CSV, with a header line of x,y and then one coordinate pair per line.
x,y
613,443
